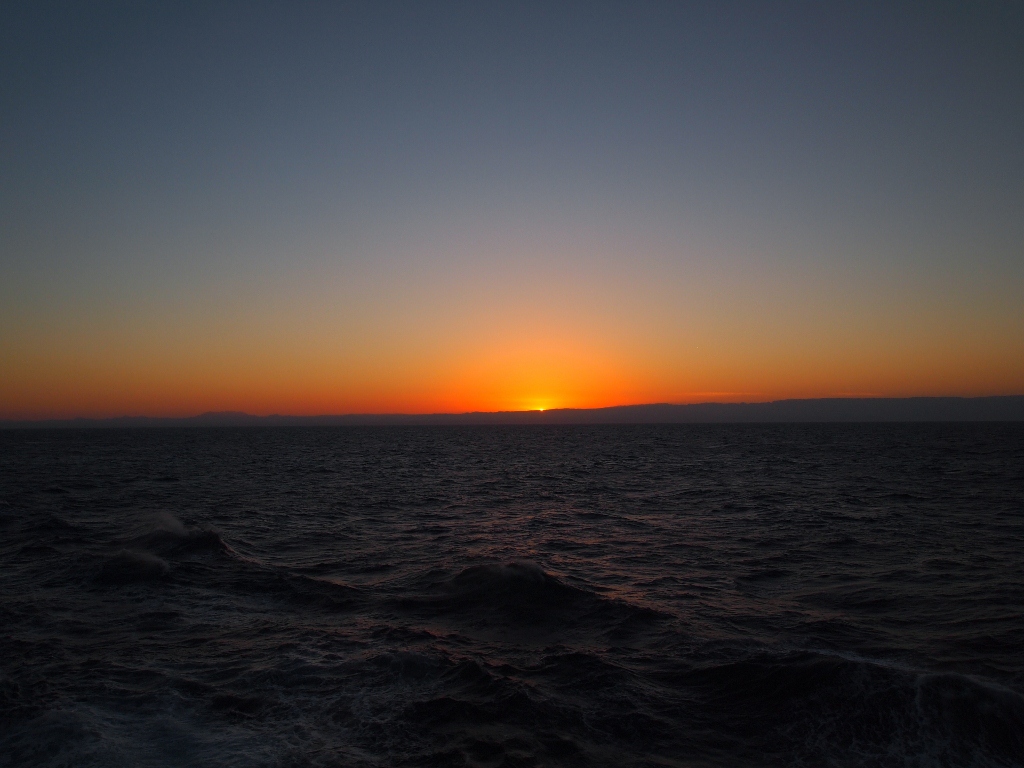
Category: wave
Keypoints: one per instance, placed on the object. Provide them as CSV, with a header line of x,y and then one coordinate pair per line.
x,y
459,711
147,556
521,595
309,590
516,585
171,537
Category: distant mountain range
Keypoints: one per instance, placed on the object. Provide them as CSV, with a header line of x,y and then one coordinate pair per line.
x,y
1008,408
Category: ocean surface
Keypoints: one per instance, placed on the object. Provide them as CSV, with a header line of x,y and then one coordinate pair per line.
x,y
687,595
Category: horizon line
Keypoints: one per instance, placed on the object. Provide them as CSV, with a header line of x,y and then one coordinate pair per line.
x,y
823,409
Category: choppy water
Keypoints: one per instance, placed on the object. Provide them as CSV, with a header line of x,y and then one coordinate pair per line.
x,y
514,596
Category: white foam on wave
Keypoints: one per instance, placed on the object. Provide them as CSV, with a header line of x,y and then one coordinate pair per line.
x,y
165,521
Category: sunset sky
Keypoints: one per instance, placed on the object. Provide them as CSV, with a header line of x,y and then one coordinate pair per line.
x,y
419,207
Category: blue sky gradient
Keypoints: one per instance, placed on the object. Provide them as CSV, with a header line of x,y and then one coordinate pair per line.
x,y
344,207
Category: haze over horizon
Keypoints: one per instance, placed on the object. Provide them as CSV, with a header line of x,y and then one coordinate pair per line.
x,y
407,209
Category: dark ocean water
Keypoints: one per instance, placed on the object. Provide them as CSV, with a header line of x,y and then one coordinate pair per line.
x,y
692,595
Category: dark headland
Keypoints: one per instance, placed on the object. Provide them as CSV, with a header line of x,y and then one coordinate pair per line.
x,y
910,409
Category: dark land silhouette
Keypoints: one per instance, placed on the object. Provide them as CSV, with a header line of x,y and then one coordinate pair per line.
x,y
909,409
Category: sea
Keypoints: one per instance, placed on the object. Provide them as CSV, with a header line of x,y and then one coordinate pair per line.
x,y
657,595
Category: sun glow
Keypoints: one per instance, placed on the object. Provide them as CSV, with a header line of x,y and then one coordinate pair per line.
x,y
538,404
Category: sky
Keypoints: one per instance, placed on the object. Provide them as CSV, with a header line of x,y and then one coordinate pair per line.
x,y
314,208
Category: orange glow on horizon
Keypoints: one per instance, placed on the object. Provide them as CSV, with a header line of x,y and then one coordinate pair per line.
x,y
444,224
515,378
503,365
